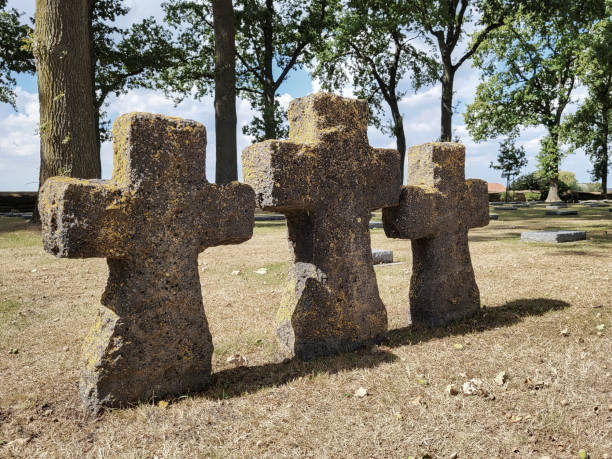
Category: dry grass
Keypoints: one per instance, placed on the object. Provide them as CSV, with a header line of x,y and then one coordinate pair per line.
x,y
279,408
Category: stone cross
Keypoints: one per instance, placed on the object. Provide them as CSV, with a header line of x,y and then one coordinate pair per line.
x,y
436,210
151,336
326,179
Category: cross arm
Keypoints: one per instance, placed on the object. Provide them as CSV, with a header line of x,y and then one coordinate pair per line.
x,y
82,218
228,214
282,174
417,215
476,205
384,178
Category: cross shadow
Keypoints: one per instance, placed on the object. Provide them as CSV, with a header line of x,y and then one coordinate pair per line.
x,y
235,382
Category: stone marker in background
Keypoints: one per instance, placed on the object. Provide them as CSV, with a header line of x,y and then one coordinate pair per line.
x,y
493,217
150,337
553,236
380,257
561,212
326,179
436,210
504,208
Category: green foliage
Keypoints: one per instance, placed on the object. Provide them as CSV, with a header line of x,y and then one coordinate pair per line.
x,y
272,39
372,52
444,27
125,58
15,55
568,179
590,187
591,126
529,72
511,159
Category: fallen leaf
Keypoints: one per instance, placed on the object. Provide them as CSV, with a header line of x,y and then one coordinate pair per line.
x,y
600,327
451,389
564,332
501,378
458,346
582,454
261,271
163,404
238,360
34,270
361,392
473,387
235,272
415,401
13,351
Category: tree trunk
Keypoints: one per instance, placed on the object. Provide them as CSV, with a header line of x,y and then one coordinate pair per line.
x,y
400,136
268,84
446,119
225,91
68,144
94,62
553,190
605,156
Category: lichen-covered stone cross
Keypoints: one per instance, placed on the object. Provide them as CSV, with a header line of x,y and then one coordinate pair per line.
x,y
326,179
436,210
150,337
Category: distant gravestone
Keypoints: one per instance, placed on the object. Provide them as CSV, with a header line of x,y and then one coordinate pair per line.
x,y
550,205
493,217
561,212
504,208
557,206
380,257
326,179
151,336
553,236
436,210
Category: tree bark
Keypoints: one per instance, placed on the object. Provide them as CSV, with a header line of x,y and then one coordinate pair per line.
x,y
225,91
553,190
446,119
68,143
400,136
268,83
605,156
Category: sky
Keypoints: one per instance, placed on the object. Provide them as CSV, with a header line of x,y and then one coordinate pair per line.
x,y
19,142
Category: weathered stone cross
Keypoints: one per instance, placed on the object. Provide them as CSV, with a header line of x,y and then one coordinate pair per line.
x,y
150,221
436,210
326,179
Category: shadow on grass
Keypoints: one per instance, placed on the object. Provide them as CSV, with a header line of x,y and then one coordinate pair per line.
x,y
12,224
486,319
238,381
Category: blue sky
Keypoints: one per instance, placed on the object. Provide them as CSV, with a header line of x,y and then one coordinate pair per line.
x,y
19,144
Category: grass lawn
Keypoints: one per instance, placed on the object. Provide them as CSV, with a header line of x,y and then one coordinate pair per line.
x,y
557,400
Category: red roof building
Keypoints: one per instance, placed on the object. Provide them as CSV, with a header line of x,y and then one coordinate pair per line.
x,y
496,187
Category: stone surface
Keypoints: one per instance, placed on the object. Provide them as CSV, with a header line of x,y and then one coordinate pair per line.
x,y
493,217
150,221
561,212
557,206
382,256
597,204
326,179
436,210
553,236
504,208
550,205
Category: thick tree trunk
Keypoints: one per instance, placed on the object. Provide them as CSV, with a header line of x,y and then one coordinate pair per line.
x,y
225,91
605,156
446,119
269,120
68,143
553,190
400,137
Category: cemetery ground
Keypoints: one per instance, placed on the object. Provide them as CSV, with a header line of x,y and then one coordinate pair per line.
x,y
546,322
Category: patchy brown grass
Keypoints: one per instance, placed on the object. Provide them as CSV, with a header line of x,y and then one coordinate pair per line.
x,y
556,402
